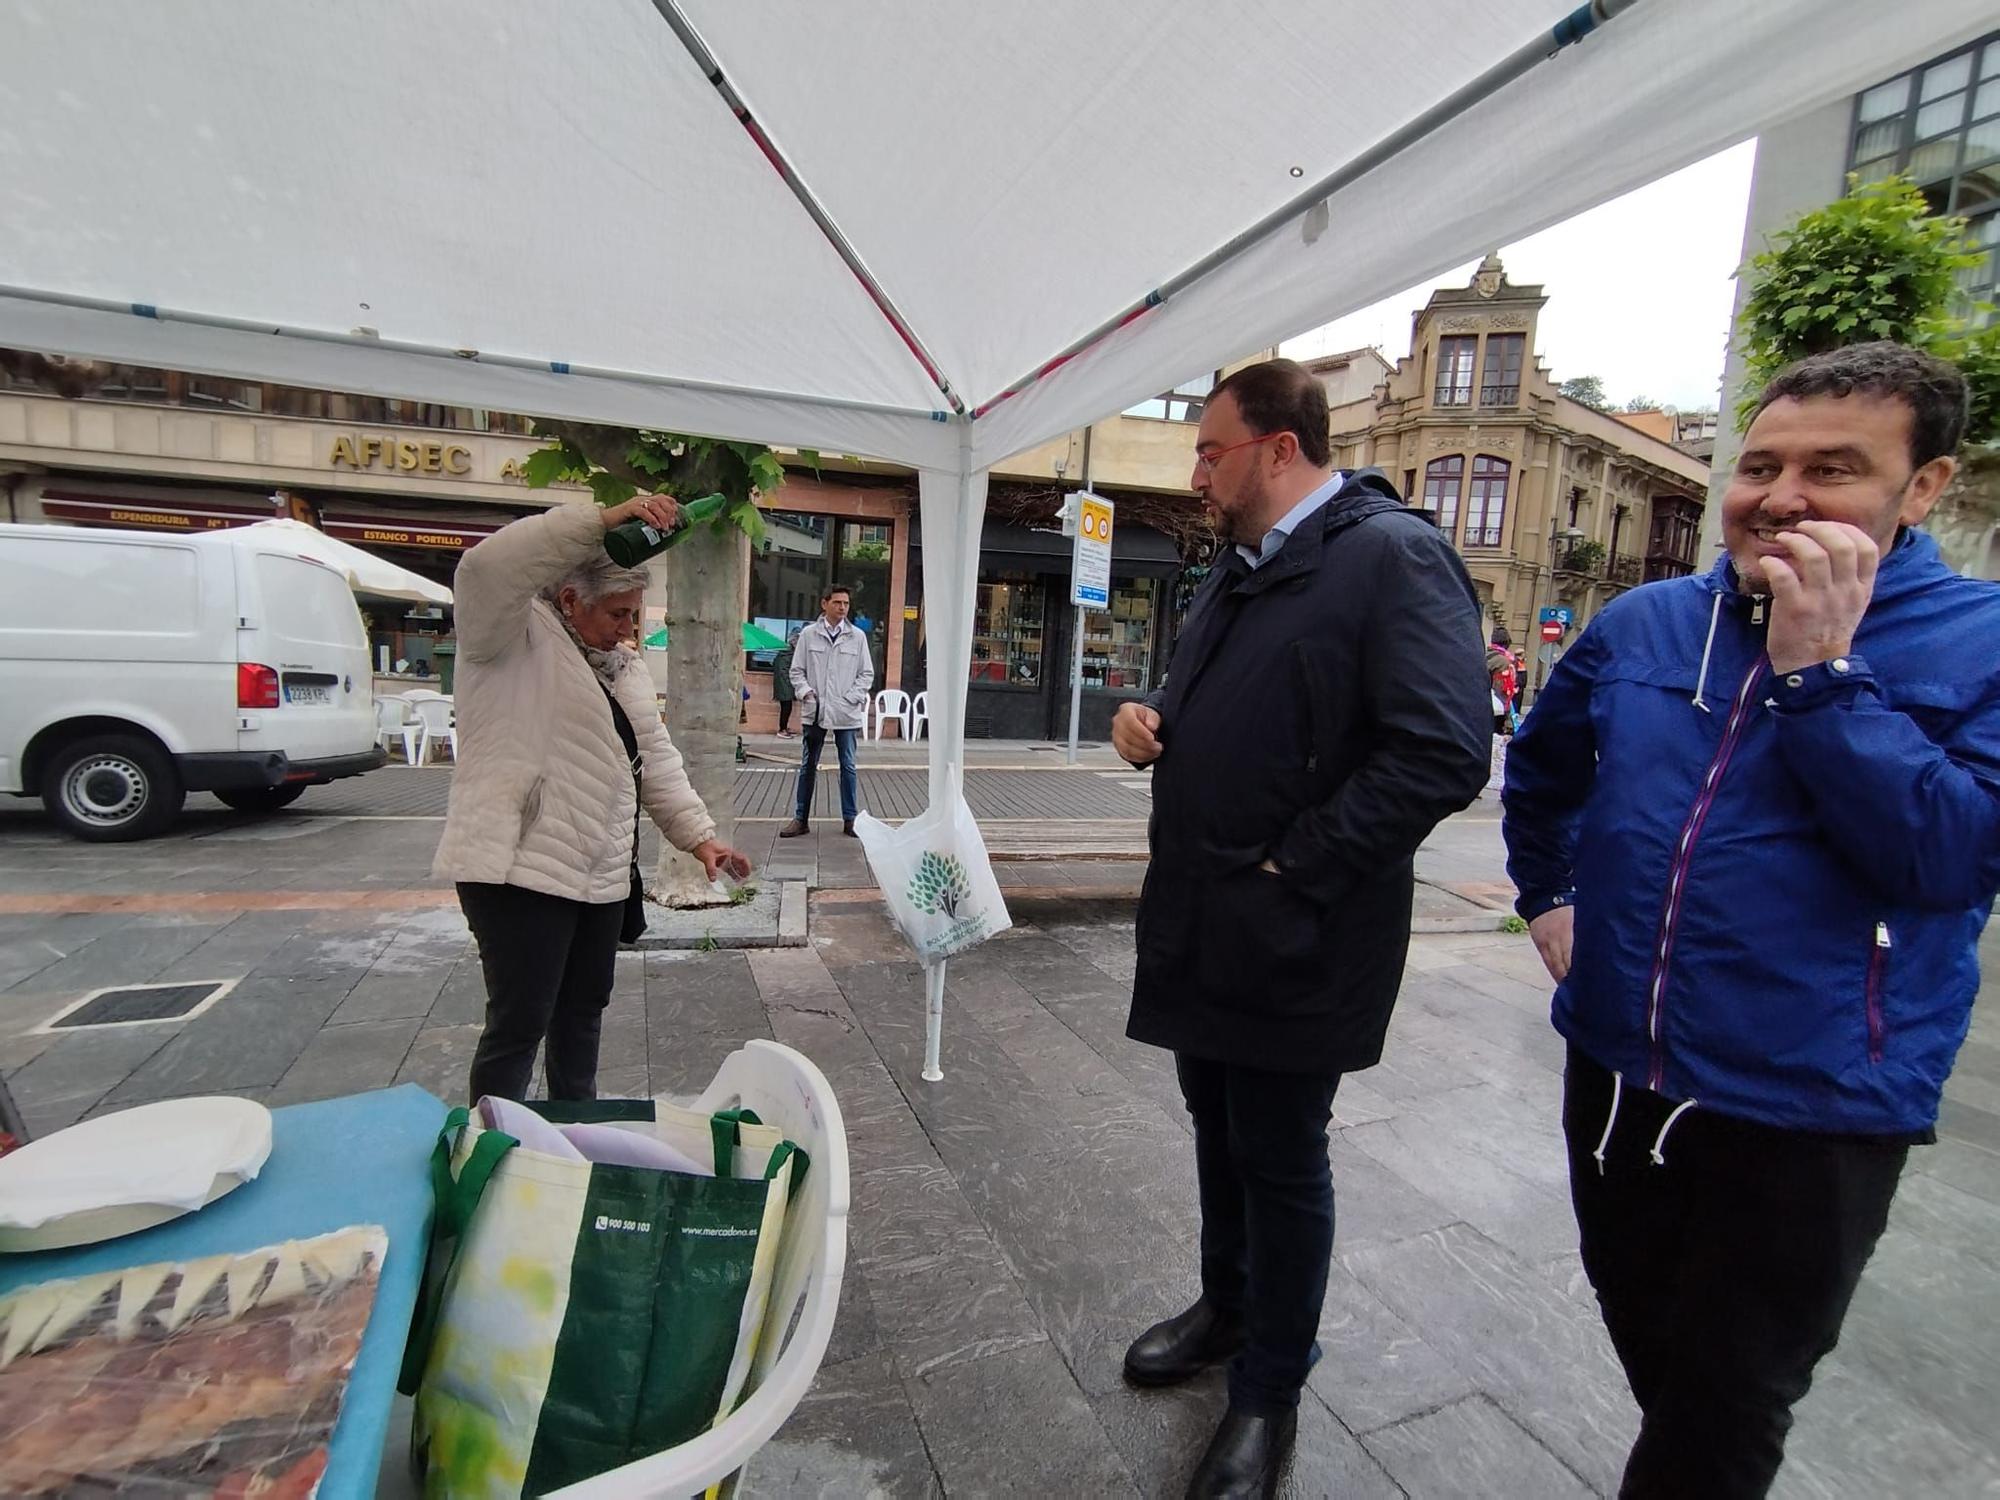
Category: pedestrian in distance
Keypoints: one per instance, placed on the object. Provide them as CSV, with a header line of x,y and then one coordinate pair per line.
x,y
1328,705
781,684
1503,669
560,744
831,676
1754,819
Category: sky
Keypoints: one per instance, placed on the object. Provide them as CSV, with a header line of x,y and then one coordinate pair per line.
x,y
1639,288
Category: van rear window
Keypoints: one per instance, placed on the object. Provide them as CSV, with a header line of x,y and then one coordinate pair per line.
x,y
306,602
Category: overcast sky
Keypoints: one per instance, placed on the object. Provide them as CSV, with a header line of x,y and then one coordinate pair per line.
x,y
1639,289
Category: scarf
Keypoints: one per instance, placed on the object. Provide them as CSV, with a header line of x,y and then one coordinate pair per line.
x,y
606,664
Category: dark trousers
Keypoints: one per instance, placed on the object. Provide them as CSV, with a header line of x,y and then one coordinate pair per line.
x,y
548,964
784,715
814,739
1266,1216
1723,1275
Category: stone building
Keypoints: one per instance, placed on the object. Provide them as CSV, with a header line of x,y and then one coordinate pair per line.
x,y
1555,506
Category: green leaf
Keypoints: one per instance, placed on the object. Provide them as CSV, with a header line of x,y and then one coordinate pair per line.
x,y
546,466
609,489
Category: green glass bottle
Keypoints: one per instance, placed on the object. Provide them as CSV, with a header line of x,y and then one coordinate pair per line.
x,y
635,541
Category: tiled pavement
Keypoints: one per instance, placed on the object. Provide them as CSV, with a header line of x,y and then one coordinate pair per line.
x,y
1014,1225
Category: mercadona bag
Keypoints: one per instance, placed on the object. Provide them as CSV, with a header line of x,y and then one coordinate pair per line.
x,y
577,1316
936,879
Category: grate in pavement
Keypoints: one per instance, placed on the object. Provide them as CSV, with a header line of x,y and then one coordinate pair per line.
x,y
131,1004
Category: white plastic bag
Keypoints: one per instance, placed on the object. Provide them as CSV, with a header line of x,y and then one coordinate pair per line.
x,y
936,879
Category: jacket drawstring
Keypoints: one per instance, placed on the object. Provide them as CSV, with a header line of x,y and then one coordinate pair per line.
x,y
1617,1093
1707,654
1660,1144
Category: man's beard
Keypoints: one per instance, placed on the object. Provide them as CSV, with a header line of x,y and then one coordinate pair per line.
x,y
1232,523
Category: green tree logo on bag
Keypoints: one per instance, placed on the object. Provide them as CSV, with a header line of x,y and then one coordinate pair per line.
x,y
939,886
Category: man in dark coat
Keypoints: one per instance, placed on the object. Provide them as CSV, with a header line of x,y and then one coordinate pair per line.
x,y
1327,705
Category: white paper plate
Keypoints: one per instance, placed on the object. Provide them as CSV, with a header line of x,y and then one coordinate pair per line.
x,y
120,1173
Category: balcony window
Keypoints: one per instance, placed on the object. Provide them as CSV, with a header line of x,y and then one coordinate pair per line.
x,y
1181,404
1501,385
1444,478
1454,381
1486,508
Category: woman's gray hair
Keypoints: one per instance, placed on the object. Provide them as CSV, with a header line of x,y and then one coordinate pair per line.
x,y
595,577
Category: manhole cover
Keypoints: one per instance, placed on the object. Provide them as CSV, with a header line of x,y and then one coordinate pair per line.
x,y
134,1004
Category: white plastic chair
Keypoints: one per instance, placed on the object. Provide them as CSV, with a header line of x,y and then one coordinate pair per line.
x,y
395,721
920,715
785,1090
892,703
438,716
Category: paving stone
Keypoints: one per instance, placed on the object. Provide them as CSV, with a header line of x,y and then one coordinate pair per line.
x,y
1856,1439
440,1060
1374,1368
1472,1447
1014,1423
461,999
406,979
75,1073
853,1435
1541,1355
701,992
1373,1204
31,945
1479,1178
941,1291
235,949
133,953
346,1060
248,1039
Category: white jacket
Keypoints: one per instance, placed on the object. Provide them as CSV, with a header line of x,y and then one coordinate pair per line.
x,y
838,675
542,796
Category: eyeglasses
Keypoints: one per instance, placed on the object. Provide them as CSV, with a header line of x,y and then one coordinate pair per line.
x,y
1206,461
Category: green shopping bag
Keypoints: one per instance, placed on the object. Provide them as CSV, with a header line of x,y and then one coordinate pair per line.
x,y
576,1316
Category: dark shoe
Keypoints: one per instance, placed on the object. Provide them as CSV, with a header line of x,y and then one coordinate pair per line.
x,y
847,827
1182,1347
1245,1457
794,828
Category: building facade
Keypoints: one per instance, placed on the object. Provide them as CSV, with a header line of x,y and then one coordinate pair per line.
x,y
1940,125
129,447
1556,507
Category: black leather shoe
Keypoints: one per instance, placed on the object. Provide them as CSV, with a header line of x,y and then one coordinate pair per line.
x,y
1245,1457
1183,1347
847,827
794,829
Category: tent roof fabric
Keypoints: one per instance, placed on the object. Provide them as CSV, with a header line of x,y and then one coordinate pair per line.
x,y
364,571
571,219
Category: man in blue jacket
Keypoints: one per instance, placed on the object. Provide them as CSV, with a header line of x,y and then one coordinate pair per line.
x,y
1755,825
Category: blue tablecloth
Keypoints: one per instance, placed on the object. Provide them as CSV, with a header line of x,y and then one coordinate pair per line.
x,y
363,1159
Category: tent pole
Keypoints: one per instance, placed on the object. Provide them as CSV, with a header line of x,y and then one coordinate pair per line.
x,y
952,747
1572,28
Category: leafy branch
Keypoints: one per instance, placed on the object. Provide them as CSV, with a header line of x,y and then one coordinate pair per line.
x,y
617,463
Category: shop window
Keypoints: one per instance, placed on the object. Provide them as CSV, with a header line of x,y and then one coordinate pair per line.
x,y
1007,621
800,556
1118,642
1486,506
1443,479
1454,382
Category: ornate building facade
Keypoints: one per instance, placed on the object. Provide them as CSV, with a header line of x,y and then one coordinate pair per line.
x,y
1555,506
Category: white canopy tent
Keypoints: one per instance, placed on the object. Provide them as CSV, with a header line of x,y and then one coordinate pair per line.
x,y
364,571
924,230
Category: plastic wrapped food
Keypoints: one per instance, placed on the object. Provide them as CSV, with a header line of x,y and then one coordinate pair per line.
x,y
220,1376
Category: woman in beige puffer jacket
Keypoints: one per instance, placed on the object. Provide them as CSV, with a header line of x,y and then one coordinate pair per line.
x,y
540,834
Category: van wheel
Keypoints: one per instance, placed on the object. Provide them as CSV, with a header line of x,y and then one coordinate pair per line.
x,y
112,788
262,799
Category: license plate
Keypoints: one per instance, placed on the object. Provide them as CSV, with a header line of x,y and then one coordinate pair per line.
x,y
304,693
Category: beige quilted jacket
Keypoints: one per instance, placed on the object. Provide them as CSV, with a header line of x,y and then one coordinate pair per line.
x,y
542,797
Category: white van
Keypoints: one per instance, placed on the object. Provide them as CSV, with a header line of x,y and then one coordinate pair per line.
x,y
137,667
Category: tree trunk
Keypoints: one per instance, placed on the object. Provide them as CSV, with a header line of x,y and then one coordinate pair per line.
x,y
701,584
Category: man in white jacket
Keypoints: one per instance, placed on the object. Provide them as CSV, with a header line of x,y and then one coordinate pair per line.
x,y
831,677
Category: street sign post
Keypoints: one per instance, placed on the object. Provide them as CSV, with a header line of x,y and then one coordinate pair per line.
x,y
1090,588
